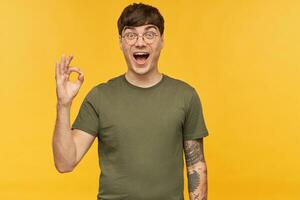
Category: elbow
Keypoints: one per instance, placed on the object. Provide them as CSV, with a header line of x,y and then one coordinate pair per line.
x,y
64,163
64,168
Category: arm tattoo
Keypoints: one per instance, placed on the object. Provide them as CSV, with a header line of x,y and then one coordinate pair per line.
x,y
193,151
193,184
196,169
194,180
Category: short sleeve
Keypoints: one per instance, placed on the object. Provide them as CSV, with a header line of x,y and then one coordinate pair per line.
x,y
194,125
87,118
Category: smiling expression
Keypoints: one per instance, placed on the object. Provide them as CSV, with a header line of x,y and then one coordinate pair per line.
x,y
141,57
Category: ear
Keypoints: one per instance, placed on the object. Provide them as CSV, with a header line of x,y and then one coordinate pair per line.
x,y
162,40
120,42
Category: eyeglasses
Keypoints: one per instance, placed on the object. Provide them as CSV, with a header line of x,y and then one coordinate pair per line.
x,y
148,37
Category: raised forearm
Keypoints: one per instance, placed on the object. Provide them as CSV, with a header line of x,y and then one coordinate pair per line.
x,y
197,182
64,149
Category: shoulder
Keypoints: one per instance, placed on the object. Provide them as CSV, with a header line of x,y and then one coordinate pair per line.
x,y
182,86
106,84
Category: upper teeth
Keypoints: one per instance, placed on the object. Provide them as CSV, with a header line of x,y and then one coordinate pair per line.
x,y
140,53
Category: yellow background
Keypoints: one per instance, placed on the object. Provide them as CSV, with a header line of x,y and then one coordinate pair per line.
x,y
241,56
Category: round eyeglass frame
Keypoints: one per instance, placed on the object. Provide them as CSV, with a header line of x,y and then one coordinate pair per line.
x,y
137,37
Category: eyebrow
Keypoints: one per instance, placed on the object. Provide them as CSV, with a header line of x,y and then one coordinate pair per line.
x,y
147,28
151,26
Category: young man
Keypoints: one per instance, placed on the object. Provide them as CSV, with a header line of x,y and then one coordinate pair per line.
x,y
143,120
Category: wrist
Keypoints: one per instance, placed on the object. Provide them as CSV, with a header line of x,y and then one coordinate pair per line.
x,y
62,105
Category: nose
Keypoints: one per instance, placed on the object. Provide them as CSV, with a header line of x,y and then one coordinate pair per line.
x,y
140,41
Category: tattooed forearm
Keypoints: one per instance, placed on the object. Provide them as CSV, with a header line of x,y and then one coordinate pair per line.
x,y
196,169
194,180
197,184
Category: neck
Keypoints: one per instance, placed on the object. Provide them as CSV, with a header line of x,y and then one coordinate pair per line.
x,y
143,80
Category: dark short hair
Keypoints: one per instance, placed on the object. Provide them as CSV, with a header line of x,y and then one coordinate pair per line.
x,y
140,14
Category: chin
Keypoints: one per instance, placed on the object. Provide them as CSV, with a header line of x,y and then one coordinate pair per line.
x,y
141,70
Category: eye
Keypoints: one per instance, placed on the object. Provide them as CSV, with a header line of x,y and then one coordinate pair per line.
x,y
130,36
149,35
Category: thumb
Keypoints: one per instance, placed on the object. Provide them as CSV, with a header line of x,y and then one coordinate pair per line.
x,y
80,78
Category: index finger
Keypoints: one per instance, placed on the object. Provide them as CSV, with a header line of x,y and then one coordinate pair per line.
x,y
69,59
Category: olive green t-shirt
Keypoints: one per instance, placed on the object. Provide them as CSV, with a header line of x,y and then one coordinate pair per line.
x,y
140,135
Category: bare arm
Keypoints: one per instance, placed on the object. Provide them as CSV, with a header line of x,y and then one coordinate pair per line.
x,y
69,146
196,169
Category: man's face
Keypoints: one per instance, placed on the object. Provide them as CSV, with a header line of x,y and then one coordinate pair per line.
x,y
141,54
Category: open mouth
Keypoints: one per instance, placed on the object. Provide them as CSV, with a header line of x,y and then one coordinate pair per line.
x,y
141,57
